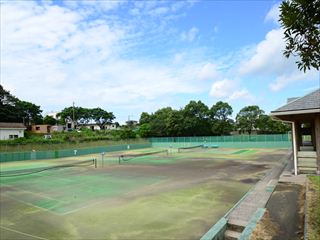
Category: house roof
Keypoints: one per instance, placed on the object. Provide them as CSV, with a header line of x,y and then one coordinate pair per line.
x,y
12,125
309,103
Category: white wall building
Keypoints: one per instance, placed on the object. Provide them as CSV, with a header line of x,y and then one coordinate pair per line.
x,y
11,130
58,128
111,126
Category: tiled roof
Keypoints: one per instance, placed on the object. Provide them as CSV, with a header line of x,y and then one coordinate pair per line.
x,y
11,125
307,102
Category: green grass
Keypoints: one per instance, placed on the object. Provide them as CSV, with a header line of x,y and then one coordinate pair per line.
x,y
314,208
20,147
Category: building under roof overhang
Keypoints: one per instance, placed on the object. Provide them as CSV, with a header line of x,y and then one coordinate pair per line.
x,y
304,115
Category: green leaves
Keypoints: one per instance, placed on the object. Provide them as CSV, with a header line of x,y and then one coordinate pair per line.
x,y
301,22
247,118
86,115
14,110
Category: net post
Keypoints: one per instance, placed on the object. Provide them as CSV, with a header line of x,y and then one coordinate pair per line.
x,y
95,162
119,160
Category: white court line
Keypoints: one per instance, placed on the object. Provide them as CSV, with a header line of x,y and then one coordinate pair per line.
x,y
25,234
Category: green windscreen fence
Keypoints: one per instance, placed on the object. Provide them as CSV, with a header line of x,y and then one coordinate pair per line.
x,y
34,155
236,141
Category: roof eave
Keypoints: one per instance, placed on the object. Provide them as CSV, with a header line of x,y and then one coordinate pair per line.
x,y
294,112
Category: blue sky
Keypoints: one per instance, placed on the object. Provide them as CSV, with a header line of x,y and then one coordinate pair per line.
x,y
128,57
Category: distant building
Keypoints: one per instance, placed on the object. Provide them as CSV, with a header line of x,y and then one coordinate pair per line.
x,y
112,126
41,128
131,123
11,130
96,127
91,126
58,128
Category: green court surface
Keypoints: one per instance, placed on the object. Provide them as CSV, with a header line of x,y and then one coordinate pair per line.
x,y
160,196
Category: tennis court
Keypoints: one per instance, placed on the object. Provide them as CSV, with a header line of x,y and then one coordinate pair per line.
x,y
150,193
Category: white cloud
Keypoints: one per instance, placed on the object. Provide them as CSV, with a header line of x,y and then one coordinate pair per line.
x,y
190,35
159,11
268,60
62,57
284,80
222,88
208,71
242,94
228,90
273,14
267,57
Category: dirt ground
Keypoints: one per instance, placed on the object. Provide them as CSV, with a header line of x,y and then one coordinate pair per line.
x,y
284,218
179,199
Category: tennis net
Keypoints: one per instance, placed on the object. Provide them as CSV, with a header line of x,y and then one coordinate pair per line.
x,y
189,148
28,171
128,157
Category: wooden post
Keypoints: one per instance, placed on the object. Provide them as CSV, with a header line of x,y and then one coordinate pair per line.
x,y
313,135
298,135
317,140
295,153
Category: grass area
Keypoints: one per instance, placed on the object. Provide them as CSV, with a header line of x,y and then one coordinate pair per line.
x,y
169,215
49,145
70,192
314,208
179,199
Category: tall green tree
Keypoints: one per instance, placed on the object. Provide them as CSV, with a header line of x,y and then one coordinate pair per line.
x,y
145,118
144,130
101,117
14,110
8,111
248,118
267,125
49,120
220,114
159,123
301,22
82,115
71,114
196,121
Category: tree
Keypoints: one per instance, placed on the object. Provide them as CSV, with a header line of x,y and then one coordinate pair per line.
x,y
70,114
15,110
145,118
144,130
159,122
301,22
29,112
49,120
8,111
221,123
174,123
196,120
247,118
267,125
85,115
101,117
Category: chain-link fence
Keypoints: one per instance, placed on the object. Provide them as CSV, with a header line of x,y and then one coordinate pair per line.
x,y
33,155
236,141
